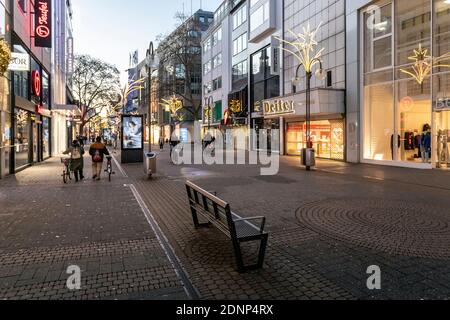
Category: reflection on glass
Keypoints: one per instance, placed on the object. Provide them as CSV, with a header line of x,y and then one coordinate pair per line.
x,y
22,137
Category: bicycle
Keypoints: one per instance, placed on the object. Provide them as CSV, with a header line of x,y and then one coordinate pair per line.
x,y
109,168
67,162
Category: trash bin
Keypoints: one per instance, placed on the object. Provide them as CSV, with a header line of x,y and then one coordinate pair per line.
x,y
150,163
308,157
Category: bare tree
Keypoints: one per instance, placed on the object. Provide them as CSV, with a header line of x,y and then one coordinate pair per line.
x,y
96,86
180,70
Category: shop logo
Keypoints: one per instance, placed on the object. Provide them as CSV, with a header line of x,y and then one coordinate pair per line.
x,y
36,76
374,19
407,103
442,104
43,23
19,62
278,107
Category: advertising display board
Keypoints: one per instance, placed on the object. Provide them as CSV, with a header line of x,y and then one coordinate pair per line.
x,y
132,139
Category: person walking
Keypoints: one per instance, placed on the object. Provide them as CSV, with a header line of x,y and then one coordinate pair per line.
x,y
161,143
97,151
76,152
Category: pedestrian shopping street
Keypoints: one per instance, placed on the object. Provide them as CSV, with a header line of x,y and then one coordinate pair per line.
x,y
134,238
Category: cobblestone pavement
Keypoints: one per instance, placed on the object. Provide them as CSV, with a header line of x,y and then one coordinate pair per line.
x,y
326,228
47,226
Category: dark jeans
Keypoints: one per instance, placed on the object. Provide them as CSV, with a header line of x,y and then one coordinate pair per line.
x,y
78,174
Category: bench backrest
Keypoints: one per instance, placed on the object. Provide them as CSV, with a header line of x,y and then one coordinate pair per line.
x,y
212,205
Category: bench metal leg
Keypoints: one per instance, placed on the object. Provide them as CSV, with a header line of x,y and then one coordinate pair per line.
x,y
241,267
262,251
197,224
238,256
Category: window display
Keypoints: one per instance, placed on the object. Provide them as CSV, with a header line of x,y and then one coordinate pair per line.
x,y
22,137
327,137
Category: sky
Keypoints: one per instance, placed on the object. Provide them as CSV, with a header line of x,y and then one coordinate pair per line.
x,y
111,29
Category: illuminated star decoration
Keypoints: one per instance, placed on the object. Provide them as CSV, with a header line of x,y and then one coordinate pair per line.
x,y
172,105
305,44
235,106
423,63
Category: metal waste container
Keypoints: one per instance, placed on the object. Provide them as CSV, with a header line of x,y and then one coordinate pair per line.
x,y
150,163
308,157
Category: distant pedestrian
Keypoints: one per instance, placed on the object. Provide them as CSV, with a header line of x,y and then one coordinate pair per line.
x,y
76,152
161,143
97,151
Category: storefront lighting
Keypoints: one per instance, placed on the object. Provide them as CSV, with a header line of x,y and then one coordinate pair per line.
x,y
423,64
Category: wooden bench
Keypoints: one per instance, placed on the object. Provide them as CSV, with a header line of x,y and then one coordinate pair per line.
x,y
218,213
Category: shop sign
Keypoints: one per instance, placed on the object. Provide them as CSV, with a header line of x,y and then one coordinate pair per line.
x,y
278,107
19,62
235,106
442,104
36,81
70,56
40,109
226,117
43,23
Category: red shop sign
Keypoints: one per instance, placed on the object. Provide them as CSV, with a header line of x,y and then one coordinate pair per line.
x,y
43,23
39,109
36,83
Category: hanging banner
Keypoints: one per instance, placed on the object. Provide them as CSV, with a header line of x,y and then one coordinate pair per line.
x,y
43,23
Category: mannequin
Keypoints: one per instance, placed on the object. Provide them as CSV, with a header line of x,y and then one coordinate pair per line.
x,y
425,146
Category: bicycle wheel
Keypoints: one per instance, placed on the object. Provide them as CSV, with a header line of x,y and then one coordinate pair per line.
x,y
64,177
109,173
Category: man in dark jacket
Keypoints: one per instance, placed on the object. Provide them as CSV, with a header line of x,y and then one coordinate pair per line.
x,y
97,151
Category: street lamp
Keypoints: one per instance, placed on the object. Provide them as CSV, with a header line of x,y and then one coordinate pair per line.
x,y
305,44
150,62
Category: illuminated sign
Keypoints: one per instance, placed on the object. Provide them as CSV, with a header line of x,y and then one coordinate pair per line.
x,y
19,62
36,79
43,23
226,117
235,106
39,109
442,104
278,107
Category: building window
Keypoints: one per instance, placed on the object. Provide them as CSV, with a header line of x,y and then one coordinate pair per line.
x,y
259,17
264,84
217,84
207,45
240,71
240,17
217,37
217,61
207,67
240,44
45,89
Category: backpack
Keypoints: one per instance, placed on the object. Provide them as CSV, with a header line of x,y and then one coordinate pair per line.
x,y
97,156
76,153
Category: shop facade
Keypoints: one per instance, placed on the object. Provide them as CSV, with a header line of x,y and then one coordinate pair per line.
x,y
288,115
403,58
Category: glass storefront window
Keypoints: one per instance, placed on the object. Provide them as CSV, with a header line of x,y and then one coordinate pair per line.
x,y
327,137
22,137
45,137
399,122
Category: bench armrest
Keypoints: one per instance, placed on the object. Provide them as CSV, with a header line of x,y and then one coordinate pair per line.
x,y
263,221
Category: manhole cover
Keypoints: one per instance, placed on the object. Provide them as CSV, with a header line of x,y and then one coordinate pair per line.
x,y
394,227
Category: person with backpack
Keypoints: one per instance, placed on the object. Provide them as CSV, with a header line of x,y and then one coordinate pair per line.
x,y
97,151
76,152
